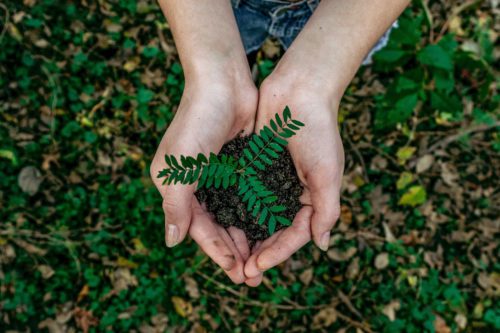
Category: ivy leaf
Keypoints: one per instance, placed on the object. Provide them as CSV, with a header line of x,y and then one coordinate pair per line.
x,y
435,56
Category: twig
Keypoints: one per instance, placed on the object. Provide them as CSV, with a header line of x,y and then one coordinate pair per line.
x,y
447,140
358,155
252,302
456,12
6,21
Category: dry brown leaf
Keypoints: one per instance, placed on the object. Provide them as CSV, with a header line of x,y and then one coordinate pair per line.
x,y
181,306
440,325
353,269
424,163
46,271
83,293
306,276
391,309
29,180
324,318
192,287
338,255
382,260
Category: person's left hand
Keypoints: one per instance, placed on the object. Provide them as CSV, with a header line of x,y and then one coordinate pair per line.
x,y
318,156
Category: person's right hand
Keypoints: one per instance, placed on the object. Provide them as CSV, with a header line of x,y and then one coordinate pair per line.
x,y
211,113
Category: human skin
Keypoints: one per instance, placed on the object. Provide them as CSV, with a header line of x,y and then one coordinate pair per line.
x,y
220,100
311,78
218,103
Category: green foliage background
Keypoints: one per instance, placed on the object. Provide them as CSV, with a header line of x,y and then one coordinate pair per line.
x,y
89,87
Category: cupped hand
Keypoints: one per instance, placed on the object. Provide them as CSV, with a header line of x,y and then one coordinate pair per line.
x,y
209,115
318,156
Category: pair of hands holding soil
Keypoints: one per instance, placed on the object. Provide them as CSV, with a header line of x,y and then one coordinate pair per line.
x,y
214,110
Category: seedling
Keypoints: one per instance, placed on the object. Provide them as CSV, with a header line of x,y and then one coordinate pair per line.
x,y
223,170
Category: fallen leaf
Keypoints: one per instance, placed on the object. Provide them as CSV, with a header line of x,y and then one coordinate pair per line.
x,y
404,154
306,276
404,180
192,287
182,307
338,255
46,271
461,321
83,293
124,262
424,163
382,260
415,195
324,318
391,309
29,180
440,325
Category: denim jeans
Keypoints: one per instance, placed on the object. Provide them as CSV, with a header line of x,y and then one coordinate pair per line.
x,y
259,19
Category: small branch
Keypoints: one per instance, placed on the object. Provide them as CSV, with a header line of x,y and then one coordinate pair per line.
x,y
447,140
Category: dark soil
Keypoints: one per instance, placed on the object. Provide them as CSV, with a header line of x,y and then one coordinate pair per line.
x,y
228,208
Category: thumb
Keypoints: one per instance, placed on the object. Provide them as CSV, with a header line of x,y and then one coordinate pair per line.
x,y
176,205
325,198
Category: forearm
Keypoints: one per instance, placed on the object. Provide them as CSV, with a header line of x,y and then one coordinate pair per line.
x,y
206,37
337,37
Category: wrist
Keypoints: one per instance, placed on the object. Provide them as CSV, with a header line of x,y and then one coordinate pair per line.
x,y
308,79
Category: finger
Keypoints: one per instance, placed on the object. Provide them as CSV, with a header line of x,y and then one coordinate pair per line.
x,y
325,198
281,246
251,269
204,232
177,201
254,282
240,240
236,273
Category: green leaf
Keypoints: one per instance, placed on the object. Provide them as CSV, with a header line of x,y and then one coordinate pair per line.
x,y
167,160
298,123
277,209
278,120
266,159
274,126
248,154
262,217
144,96
271,225
276,147
286,113
259,165
256,208
212,168
218,181
282,220
271,153
416,195
258,141
225,182
251,202
201,158
175,164
270,199
203,178
233,179
287,133
435,56
254,147
280,141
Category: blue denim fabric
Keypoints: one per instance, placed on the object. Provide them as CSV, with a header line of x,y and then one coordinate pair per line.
x,y
259,19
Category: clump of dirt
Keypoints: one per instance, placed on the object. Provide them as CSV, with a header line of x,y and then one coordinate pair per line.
x,y
228,208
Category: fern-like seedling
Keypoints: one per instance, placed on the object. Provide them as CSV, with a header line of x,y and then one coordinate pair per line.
x,y
225,171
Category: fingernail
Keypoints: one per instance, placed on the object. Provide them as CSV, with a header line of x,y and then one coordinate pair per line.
x,y
172,235
324,241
